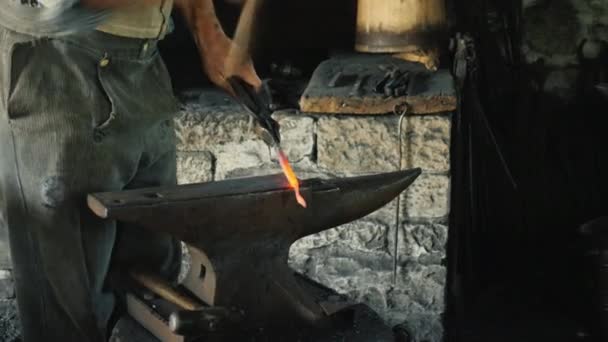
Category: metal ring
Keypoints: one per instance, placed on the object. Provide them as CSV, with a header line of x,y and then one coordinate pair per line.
x,y
401,108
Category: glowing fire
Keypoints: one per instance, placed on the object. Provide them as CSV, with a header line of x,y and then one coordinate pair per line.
x,y
291,177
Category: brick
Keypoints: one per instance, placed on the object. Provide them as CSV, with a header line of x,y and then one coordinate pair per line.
x,y
428,197
227,133
422,240
361,235
201,128
7,285
357,145
297,135
10,327
427,143
194,167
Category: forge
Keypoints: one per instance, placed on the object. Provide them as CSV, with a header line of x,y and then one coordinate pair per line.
x,y
238,233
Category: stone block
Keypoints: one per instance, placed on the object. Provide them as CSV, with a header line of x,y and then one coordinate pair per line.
x,y
361,236
373,296
344,256
427,142
7,285
10,328
223,131
5,253
297,135
428,197
227,132
422,326
402,304
354,262
425,284
348,276
357,145
384,215
436,273
350,259
233,157
364,284
304,170
201,128
423,243
418,302
194,167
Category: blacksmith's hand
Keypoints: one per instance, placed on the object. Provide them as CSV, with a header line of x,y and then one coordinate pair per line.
x,y
214,46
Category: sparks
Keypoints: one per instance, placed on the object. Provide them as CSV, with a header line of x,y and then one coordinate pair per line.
x,y
291,177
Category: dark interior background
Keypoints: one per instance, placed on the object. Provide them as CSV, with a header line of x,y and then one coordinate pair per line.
x,y
517,270
516,254
301,33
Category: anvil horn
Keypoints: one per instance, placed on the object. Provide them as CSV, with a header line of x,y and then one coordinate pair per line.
x,y
239,233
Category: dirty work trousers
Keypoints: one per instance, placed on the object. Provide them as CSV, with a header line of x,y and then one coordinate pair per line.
x,y
86,113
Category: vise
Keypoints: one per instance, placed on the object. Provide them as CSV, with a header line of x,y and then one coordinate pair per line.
x,y
238,234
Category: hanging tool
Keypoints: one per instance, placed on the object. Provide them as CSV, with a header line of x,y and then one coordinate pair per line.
x,y
395,82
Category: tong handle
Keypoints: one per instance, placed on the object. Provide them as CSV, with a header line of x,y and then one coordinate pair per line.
x,y
207,319
257,104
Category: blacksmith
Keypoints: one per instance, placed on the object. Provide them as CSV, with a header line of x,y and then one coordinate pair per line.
x,y
89,112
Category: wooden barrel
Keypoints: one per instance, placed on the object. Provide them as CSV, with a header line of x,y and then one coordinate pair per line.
x,y
391,26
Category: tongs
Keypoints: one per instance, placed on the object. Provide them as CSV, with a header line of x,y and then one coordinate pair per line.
x,y
257,104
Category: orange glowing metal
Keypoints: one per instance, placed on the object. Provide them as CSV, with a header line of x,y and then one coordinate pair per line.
x,y
291,177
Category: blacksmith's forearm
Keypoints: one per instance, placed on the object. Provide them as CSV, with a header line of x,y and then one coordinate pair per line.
x,y
201,19
215,48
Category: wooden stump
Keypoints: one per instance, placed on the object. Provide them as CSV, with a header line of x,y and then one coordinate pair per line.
x,y
389,26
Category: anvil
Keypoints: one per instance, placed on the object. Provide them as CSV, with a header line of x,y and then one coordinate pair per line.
x,y
239,232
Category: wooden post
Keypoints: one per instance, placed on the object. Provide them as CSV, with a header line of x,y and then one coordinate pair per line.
x,y
405,27
398,25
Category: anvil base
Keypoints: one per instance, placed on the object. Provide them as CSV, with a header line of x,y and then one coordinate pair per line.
x,y
349,322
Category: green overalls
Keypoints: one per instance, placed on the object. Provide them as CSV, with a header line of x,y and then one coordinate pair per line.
x,y
87,113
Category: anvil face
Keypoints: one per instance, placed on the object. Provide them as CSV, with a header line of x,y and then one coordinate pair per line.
x,y
240,232
256,207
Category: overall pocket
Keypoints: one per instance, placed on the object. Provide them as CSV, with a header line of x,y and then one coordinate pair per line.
x,y
15,60
102,121
54,85
7,74
139,93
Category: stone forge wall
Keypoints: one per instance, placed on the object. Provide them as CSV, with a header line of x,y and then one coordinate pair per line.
x,y
216,142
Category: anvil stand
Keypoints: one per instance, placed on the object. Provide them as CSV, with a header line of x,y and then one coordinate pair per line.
x,y
238,233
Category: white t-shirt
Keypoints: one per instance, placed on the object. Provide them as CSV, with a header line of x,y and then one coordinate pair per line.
x,y
140,21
